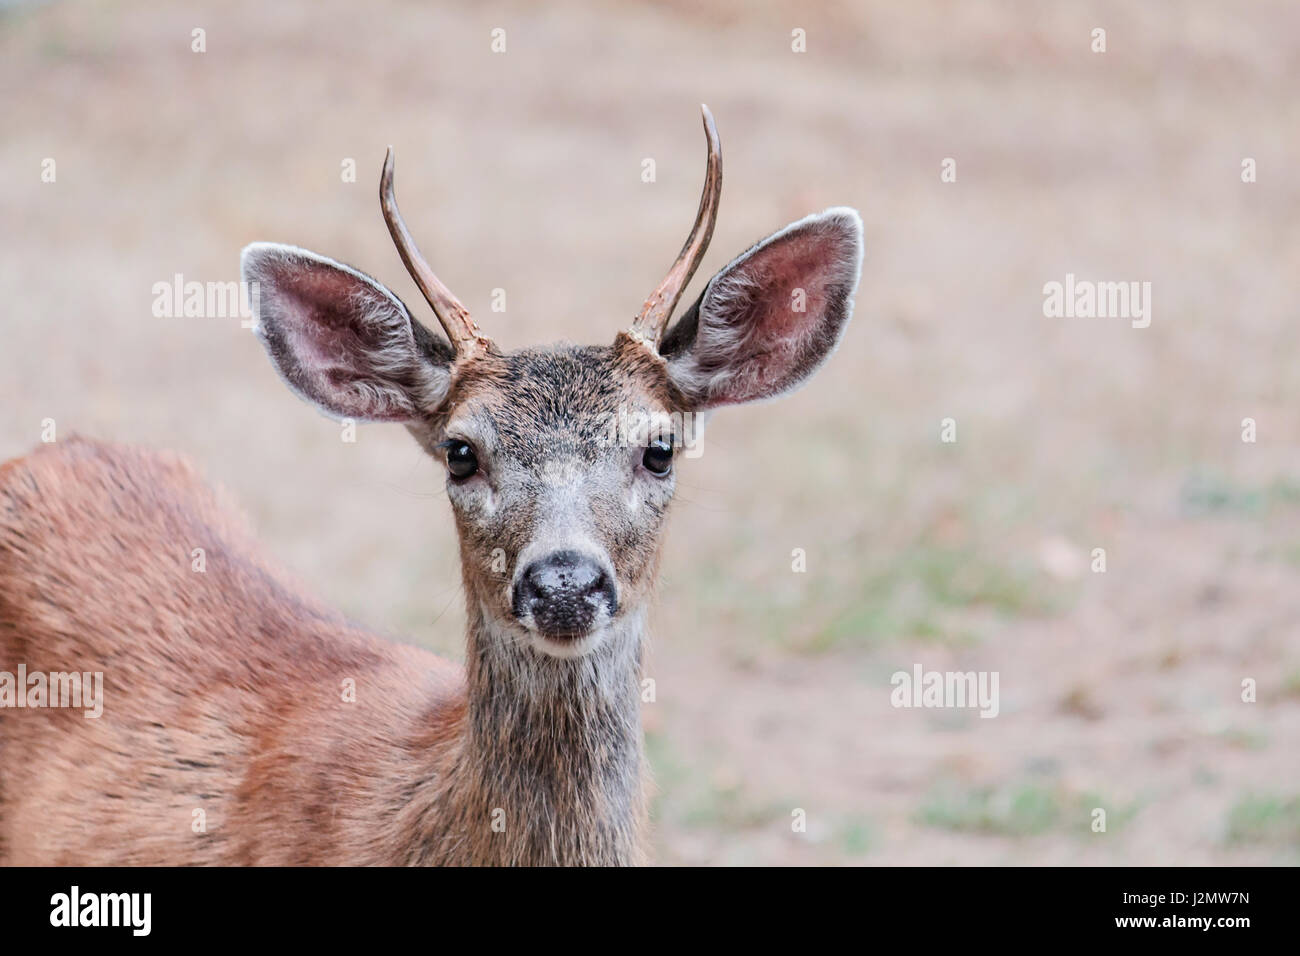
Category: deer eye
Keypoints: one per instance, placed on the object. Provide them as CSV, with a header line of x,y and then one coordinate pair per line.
x,y
461,460
658,458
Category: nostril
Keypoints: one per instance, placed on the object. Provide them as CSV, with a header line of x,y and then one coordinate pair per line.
x,y
564,592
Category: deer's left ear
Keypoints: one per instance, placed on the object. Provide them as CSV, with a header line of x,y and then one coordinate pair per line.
x,y
769,320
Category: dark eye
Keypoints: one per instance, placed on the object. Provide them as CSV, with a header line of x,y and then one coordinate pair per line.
x,y
461,461
658,458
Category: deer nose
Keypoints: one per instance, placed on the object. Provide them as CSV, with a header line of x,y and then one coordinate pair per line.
x,y
564,592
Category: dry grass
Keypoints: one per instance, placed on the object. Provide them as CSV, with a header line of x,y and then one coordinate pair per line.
x,y
521,171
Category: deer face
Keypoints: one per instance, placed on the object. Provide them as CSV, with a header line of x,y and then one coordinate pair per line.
x,y
559,517
560,462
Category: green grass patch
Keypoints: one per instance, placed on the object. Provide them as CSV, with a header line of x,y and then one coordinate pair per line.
x,y
933,594
1205,493
1020,810
1264,819
854,837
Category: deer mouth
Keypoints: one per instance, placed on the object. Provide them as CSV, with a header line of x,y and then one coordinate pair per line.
x,y
562,637
565,637
567,645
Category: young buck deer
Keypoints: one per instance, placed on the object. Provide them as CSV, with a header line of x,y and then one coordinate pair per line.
x,y
225,738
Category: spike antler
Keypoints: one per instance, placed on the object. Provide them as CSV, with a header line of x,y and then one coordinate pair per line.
x,y
453,316
658,309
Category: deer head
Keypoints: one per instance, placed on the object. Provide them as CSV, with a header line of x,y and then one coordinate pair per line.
x,y
559,506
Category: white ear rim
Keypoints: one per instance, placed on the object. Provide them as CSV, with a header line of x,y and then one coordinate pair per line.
x,y
256,252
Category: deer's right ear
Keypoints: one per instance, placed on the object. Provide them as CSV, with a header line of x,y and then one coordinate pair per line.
x,y
340,339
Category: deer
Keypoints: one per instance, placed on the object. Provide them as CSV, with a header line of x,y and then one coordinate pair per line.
x,y
225,738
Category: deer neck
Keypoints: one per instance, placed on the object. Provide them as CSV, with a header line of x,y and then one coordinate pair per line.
x,y
552,747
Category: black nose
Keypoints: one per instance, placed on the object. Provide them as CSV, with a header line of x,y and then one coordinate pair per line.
x,y
564,592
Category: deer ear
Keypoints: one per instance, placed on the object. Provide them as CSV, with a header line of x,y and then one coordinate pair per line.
x,y
341,340
768,320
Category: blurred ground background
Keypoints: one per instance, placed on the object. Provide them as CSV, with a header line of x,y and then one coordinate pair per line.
x,y
522,171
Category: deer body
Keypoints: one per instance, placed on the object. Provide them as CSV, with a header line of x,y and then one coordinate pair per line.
x,y
226,735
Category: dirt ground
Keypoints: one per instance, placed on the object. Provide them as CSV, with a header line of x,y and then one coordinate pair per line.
x,y
522,170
